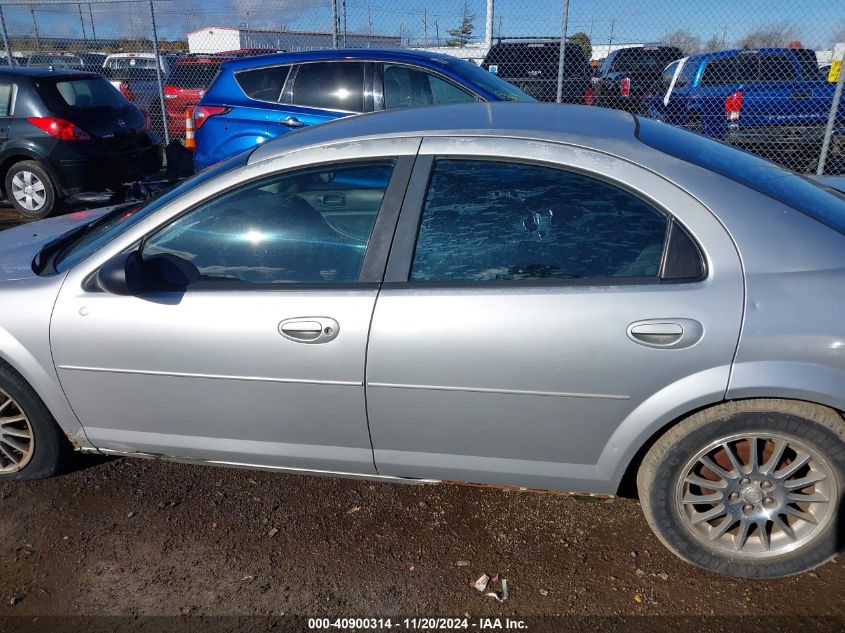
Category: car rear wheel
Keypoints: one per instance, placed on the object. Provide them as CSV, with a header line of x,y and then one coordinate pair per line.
x,y
749,488
30,189
32,446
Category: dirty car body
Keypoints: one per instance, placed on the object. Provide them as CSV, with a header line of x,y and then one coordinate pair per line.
x,y
383,348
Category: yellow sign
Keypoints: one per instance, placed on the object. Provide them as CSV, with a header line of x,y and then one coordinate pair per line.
x,y
835,69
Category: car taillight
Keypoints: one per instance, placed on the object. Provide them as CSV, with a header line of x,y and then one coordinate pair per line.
x,y
203,113
60,128
625,86
733,106
170,92
588,96
126,91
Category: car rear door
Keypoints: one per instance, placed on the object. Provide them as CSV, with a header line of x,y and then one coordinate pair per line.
x,y
261,361
527,332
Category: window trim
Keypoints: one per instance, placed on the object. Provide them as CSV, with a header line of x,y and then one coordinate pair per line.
x,y
407,232
378,82
376,253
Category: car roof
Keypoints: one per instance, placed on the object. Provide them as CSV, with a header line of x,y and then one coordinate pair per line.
x,y
386,54
596,128
34,71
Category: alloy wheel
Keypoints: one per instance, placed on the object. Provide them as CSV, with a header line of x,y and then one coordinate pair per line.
x,y
28,190
756,495
17,442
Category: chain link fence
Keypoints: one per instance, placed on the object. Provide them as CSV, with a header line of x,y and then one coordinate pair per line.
x,y
761,74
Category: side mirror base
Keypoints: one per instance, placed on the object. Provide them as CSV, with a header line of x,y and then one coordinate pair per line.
x,y
123,274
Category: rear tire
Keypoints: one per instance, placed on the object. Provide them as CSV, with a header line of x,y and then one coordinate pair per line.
x,y
718,492
32,446
31,190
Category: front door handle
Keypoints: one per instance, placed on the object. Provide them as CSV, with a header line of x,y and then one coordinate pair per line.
x,y
292,121
666,333
309,329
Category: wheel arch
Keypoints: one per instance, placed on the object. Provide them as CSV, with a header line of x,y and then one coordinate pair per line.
x,y
627,486
43,381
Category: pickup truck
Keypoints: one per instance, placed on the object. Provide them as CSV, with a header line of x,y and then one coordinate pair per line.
x,y
772,101
629,74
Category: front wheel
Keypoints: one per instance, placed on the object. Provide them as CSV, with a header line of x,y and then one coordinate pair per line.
x,y
749,488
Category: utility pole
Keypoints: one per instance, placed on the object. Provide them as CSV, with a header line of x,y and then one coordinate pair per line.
x,y
500,27
610,41
724,35
93,29
82,23
369,21
488,30
35,26
425,28
437,30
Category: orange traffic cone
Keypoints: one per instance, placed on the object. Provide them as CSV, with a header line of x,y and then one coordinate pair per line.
x,y
190,143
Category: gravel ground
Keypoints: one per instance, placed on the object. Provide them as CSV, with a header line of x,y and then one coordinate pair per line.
x,y
127,537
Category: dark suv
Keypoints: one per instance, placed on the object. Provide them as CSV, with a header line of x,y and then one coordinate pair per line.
x,y
67,132
628,75
532,66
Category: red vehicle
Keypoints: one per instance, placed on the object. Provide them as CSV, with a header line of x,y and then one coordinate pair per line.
x,y
189,78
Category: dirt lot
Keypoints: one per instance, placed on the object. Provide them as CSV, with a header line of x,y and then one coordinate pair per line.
x,y
141,538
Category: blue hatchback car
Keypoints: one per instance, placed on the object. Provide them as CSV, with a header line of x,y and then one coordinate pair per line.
x,y
255,99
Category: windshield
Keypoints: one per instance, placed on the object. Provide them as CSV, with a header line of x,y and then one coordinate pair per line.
x,y
126,63
85,92
488,81
113,224
799,192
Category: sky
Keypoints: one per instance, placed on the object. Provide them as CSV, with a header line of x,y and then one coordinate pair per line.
x,y
815,21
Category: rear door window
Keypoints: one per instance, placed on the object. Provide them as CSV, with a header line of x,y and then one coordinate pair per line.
x,y
719,71
263,84
777,68
489,220
330,85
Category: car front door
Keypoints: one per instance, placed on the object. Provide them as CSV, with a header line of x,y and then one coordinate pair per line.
x,y
543,306
261,360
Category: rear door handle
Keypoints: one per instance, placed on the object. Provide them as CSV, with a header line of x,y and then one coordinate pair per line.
x,y
666,333
292,121
309,329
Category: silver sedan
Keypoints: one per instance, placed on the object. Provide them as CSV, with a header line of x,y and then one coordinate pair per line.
x,y
517,294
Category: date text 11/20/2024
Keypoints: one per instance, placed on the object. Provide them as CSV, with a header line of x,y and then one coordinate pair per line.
x,y
417,624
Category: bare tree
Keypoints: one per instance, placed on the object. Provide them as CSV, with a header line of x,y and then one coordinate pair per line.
x,y
777,34
714,43
683,39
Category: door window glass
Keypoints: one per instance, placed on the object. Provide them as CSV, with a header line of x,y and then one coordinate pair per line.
x,y
330,85
307,226
486,221
5,98
778,67
408,87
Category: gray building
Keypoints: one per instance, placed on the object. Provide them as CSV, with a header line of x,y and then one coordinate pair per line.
x,y
218,39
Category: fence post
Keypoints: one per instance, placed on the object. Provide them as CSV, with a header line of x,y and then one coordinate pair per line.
x,y
334,23
831,119
564,25
158,75
5,37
